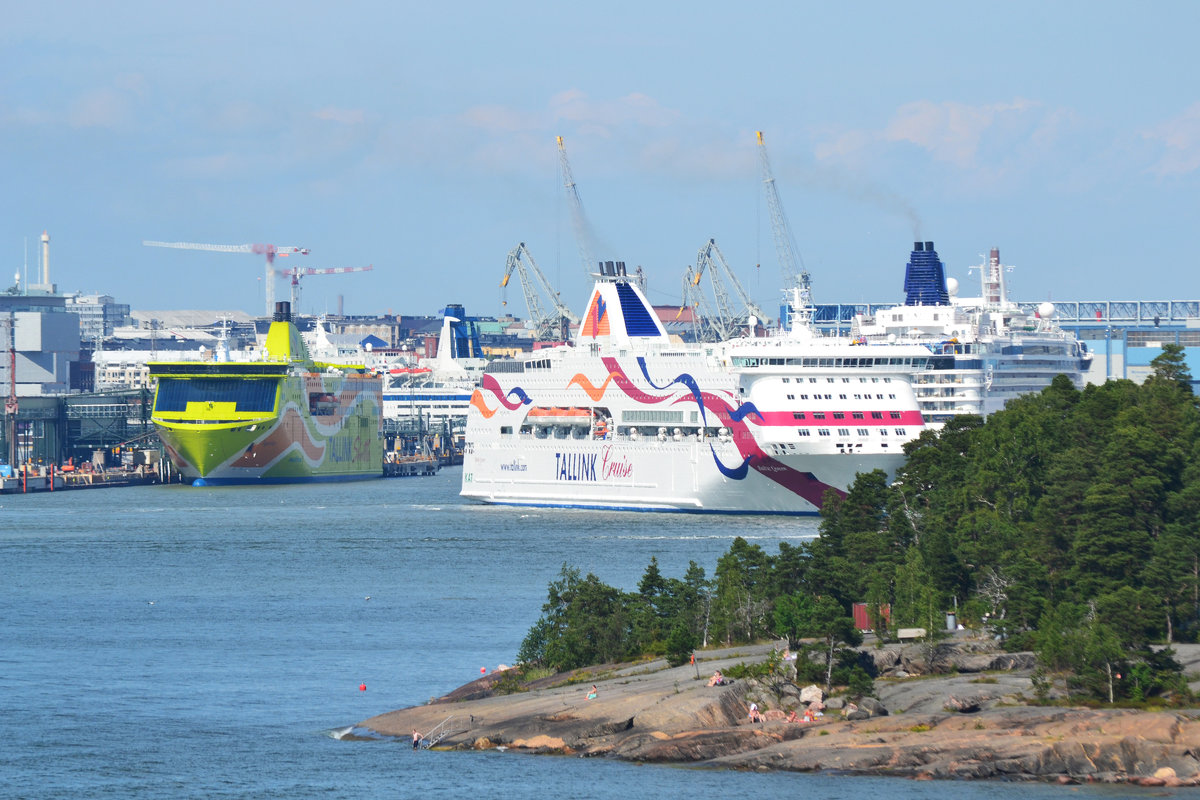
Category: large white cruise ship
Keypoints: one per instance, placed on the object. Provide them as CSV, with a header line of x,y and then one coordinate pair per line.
x,y
984,350
627,418
437,389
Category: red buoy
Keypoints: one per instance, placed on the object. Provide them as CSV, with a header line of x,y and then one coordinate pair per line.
x,y
483,670
362,687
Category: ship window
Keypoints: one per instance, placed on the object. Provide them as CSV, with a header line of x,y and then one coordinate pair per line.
x,y
787,380
812,380
899,431
841,397
797,415
505,430
823,431
843,431
876,415
839,415
818,415
804,432
864,432
859,415
791,397
895,415
249,394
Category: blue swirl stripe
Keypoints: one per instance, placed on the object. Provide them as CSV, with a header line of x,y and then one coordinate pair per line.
x,y
735,473
684,378
744,410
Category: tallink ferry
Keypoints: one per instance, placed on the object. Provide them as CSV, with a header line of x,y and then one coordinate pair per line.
x,y
627,418
282,419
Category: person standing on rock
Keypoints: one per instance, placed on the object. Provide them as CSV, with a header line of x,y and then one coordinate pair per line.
x,y
416,739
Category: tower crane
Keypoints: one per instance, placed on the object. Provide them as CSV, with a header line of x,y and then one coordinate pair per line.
x,y
796,281
583,232
545,326
269,250
296,273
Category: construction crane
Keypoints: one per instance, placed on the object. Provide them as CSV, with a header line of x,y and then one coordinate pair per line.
x,y
546,326
269,250
796,281
296,273
712,261
583,231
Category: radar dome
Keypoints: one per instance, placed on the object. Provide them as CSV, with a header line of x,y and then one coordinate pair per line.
x,y
1046,310
952,287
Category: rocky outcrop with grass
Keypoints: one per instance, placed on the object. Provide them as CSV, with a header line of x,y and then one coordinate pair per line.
x,y
973,721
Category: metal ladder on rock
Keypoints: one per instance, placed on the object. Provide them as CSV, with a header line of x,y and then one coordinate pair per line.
x,y
455,723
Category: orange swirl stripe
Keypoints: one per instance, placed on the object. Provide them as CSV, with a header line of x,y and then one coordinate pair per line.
x,y
480,406
593,392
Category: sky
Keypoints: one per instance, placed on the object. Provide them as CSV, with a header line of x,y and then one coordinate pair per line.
x,y
419,139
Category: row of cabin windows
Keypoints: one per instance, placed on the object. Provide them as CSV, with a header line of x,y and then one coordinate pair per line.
x,y
846,431
842,415
754,361
841,397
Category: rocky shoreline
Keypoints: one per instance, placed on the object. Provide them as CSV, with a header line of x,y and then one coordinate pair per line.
x,y
970,723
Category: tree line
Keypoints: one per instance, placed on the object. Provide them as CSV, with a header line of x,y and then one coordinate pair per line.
x,y
1065,523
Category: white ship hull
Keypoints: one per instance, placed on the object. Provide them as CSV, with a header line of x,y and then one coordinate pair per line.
x,y
655,476
628,419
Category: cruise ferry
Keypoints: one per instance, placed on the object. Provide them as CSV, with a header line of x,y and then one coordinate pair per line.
x,y
282,419
629,418
438,389
984,351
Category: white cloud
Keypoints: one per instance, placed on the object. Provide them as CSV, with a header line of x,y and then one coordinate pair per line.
x,y
103,108
1180,141
951,132
601,116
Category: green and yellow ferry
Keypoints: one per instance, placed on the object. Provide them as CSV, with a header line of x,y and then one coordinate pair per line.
x,y
282,419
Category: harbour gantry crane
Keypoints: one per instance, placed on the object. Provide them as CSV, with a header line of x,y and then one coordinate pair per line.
x,y
268,250
583,231
706,326
796,281
296,273
546,326
712,261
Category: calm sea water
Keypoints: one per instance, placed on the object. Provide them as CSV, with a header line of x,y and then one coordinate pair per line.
x,y
184,642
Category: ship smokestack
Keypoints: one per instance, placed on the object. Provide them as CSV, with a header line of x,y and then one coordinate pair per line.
x,y
925,277
283,311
